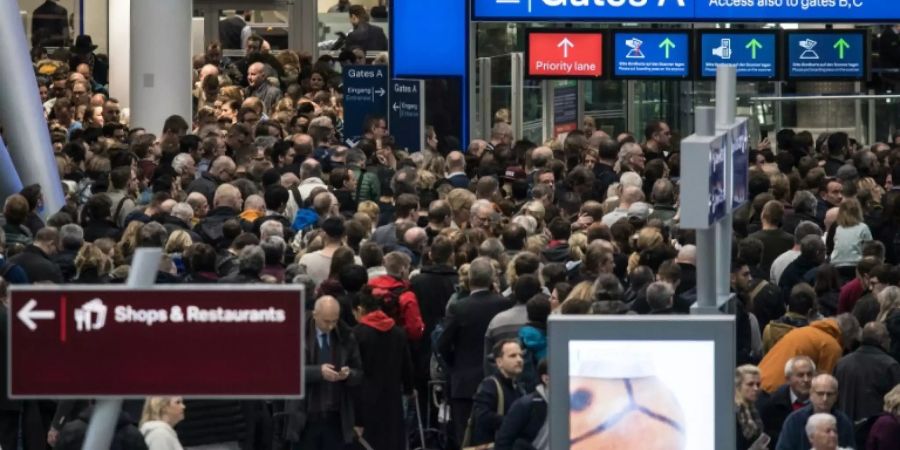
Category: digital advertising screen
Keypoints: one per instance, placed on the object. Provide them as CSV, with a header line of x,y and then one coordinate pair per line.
x,y
740,150
755,55
641,394
641,54
717,186
827,55
641,382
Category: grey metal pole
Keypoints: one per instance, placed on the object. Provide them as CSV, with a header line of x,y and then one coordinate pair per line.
x,y
22,114
705,125
726,112
102,426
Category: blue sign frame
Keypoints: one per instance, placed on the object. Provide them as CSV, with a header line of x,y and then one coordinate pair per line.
x,y
844,11
776,60
865,54
612,49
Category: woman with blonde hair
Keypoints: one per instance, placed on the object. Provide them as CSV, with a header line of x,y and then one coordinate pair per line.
x,y
647,238
128,242
158,421
91,265
746,392
849,234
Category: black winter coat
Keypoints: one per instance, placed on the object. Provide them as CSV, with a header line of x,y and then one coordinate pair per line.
x,y
211,421
210,228
486,419
522,423
126,437
461,345
38,265
387,370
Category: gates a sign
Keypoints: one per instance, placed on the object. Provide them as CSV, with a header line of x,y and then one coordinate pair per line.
x,y
93,341
564,54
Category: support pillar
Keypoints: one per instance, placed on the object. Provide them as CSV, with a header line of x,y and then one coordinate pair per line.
x,y
161,62
704,125
303,26
21,113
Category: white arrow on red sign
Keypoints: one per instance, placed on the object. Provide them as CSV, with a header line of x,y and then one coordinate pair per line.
x,y
28,314
566,44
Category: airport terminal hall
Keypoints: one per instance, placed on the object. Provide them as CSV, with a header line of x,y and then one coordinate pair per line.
x,y
450,225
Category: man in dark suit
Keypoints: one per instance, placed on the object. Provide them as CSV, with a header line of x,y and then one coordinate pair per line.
x,y
456,170
35,259
324,418
50,25
774,408
461,343
230,30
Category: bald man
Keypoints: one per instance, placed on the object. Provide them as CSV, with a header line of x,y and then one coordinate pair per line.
x,y
324,418
226,206
259,86
456,170
630,196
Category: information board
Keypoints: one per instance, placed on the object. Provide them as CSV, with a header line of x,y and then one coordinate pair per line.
x,y
199,341
827,55
565,54
717,187
407,116
859,11
365,95
739,141
644,54
755,55
565,108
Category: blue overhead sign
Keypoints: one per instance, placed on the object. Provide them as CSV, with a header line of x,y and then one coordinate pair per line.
x,y
754,54
827,55
365,96
877,11
651,54
407,114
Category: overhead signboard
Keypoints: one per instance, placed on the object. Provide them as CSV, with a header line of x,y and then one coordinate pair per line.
x,y
564,54
859,11
754,54
651,54
827,55
97,341
365,96
407,114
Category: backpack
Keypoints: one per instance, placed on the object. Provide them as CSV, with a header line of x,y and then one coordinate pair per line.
x,y
391,301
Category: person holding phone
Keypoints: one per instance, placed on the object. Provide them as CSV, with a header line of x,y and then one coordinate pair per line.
x,y
324,419
750,435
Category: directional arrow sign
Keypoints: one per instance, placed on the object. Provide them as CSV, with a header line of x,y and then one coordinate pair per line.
x,y
668,45
28,314
396,107
753,45
381,92
841,45
566,44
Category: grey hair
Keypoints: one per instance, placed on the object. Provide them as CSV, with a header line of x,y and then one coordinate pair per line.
x,y
789,366
481,273
71,236
804,202
815,420
271,228
355,157
180,162
183,211
659,295
252,258
806,228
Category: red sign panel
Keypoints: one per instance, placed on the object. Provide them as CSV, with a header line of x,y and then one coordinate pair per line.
x,y
565,54
219,341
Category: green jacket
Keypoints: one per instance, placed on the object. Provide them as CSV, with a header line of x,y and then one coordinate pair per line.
x,y
368,186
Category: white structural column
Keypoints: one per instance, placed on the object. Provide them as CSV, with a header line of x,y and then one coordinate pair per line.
x,y
160,62
120,51
21,114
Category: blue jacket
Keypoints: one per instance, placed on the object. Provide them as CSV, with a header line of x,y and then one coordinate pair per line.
x,y
793,433
12,273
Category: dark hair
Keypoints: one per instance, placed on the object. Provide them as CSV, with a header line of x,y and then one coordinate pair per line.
x,y
802,300
441,250
175,124
353,277
560,228
275,196
538,309
497,351
203,258
525,287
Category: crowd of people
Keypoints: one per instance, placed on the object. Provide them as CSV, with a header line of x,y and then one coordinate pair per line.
x,y
431,274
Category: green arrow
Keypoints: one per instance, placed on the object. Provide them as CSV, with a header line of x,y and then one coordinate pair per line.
x,y
841,45
753,45
668,45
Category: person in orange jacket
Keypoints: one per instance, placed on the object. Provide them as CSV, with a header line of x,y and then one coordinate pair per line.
x,y
824,341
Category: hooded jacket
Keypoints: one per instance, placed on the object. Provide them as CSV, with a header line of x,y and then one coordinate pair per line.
x,y
160,435
408,315
821,341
